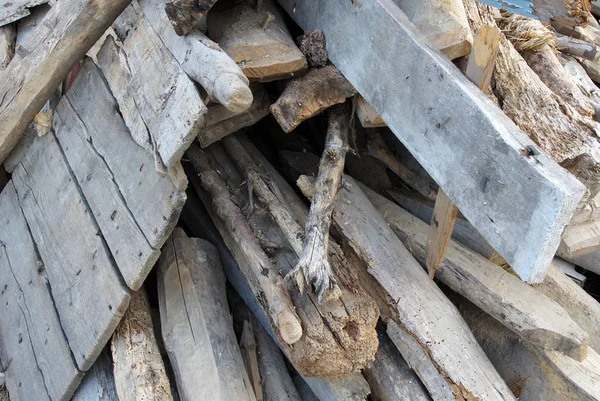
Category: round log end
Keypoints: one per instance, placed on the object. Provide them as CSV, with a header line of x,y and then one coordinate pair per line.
x,y
289,327
233,93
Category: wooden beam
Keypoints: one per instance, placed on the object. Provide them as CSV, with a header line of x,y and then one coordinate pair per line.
x,y
499,188
45,60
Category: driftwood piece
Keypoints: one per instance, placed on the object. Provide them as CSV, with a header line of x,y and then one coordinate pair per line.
x,y
196,324
406,295
99,382
36,358
443,22
313,267
203,60
45,60
138,368
8,37
310,94
506,298
265,52
186,15
577,48
17,9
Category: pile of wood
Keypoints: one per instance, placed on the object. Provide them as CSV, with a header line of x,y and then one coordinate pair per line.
x,y
299,200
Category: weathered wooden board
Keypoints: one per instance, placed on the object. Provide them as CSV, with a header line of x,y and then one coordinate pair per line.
x,y
43,62
99,382
86,287
36,358
8,38
135,207
196,324
520,204
14,10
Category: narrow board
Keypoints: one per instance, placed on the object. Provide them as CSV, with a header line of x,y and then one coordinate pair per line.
x,y
85,285
520,204
37,362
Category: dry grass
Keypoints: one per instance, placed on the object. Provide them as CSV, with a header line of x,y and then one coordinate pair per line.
x,y
526,33
4,393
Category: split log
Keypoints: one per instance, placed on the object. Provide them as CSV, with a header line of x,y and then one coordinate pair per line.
x,y
310,94
203,60
443,23
196,324
17,9
265,52
186,15
138,368
220,122
99,382
313,267
390,377
577,48
8,37
406,295
367,115
44,61
512,302
250,358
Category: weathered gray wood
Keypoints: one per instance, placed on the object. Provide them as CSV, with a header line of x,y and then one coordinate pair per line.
x,y
348,388
590,262
94,139
158,85
36,358
99,382
407,295
390,377
16,9
85,285
202,59
196,324
44,61
27,26
185,15
443,128
515,304
8,37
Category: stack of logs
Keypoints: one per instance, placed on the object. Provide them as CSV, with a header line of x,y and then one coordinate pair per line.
x,y
312,212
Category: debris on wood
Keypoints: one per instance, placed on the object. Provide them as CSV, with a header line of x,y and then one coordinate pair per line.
x,y
185,15
313,46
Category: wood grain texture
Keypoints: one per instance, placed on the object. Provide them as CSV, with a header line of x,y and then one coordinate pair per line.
x,y
99,382
8,38
72,28
16,9
440,231
86,288
37,361
496,175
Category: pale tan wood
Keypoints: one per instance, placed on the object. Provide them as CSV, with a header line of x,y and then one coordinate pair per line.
x,y
483,56
264,54
250,357
8,37
580,239
44,61
310,94
367,115
440,232
139,370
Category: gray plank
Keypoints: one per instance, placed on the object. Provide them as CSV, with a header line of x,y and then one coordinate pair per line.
x,y
520,204
14,10
37,361
86,288
98,383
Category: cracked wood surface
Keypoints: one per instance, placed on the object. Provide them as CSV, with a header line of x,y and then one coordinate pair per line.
x,y
99,382
37,362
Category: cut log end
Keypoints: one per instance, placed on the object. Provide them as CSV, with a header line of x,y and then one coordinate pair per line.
x,y
233,93
289,327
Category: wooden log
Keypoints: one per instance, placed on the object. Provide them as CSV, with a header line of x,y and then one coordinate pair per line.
x,y
86,288
220,122
390,377
310,94
15,10
203,60
99,382
406,295
313,267
367,115
44,61
186,15
8,37
444,24
503,296
37,361
138,367
263,53
196,324
577,48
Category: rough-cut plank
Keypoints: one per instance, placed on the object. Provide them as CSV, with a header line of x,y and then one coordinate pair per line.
x,y
390,377
520,204
157,83
8,37
46,59
516,305
264,51
85,285
139,370
95,140
580,240
310,94
443,22
99,382
367,115
14,10
407,295
203,60
196,324
37,360
440,232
